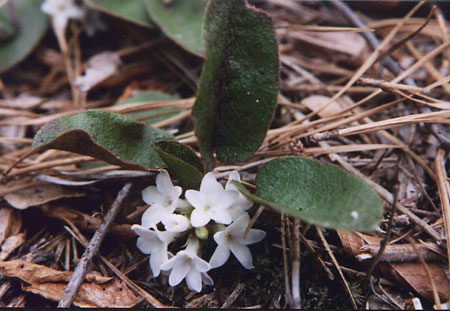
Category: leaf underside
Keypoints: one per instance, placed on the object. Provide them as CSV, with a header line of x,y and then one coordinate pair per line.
x,y
318,193
238,88
182,162
107,136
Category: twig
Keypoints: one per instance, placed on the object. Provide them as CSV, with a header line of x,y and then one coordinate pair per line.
x,y
81,269
401,42
296,302
437,301
285,261
336,264
389,86
386,238
77,235
443,187
233,296
392,65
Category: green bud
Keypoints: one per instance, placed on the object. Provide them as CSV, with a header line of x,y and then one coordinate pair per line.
x,y
201,233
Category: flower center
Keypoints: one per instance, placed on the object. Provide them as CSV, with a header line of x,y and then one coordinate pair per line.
x,y
206,207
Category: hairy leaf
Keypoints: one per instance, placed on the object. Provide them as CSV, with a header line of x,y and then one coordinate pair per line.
x,y
318,193
32,24
181,21
239,84
106,136
182,162
130,10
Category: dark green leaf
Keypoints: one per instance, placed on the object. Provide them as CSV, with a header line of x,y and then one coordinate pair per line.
x,y
32,24
318,193
106,136
239,84
181,21
160,114
182,162
130,10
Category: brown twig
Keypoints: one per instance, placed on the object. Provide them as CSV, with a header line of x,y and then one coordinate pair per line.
x,y
386,238
336,264
81,269
443,187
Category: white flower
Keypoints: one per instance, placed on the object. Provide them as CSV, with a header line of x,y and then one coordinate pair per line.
x,y
176,223
187,264
163,200
61,11
242,203
211,202
232,239
154,243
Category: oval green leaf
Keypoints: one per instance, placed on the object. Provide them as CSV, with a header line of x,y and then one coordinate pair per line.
x,y
181,21
238,87
133,11
182,162
107,136
31,27
318,193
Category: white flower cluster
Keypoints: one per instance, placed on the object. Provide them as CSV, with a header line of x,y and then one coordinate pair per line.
x,y
213,208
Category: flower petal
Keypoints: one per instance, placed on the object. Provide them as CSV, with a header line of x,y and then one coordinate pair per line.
x,y
238,227
144,232
199,218
179,271
234,175
206,279
242,253
153,215
200,264
195,198
163,182
176,223
220,256
221,216
151,195
225,199
210,185
144,245
156,260
194,280
253,236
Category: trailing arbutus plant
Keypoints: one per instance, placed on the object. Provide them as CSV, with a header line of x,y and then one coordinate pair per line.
x,y
236,99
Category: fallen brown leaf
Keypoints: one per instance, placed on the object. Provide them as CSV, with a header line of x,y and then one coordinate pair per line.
x,y
112,294
96,291
414,275
39,194
34,273
10,244
315,102
10,223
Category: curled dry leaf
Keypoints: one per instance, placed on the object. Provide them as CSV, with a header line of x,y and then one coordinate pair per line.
x,y
113,294
10,223
101,67
315,102
414,275
33,273
39,194
96,291
409,273
10,244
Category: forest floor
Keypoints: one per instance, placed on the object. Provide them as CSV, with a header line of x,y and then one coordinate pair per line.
x,y
389,88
